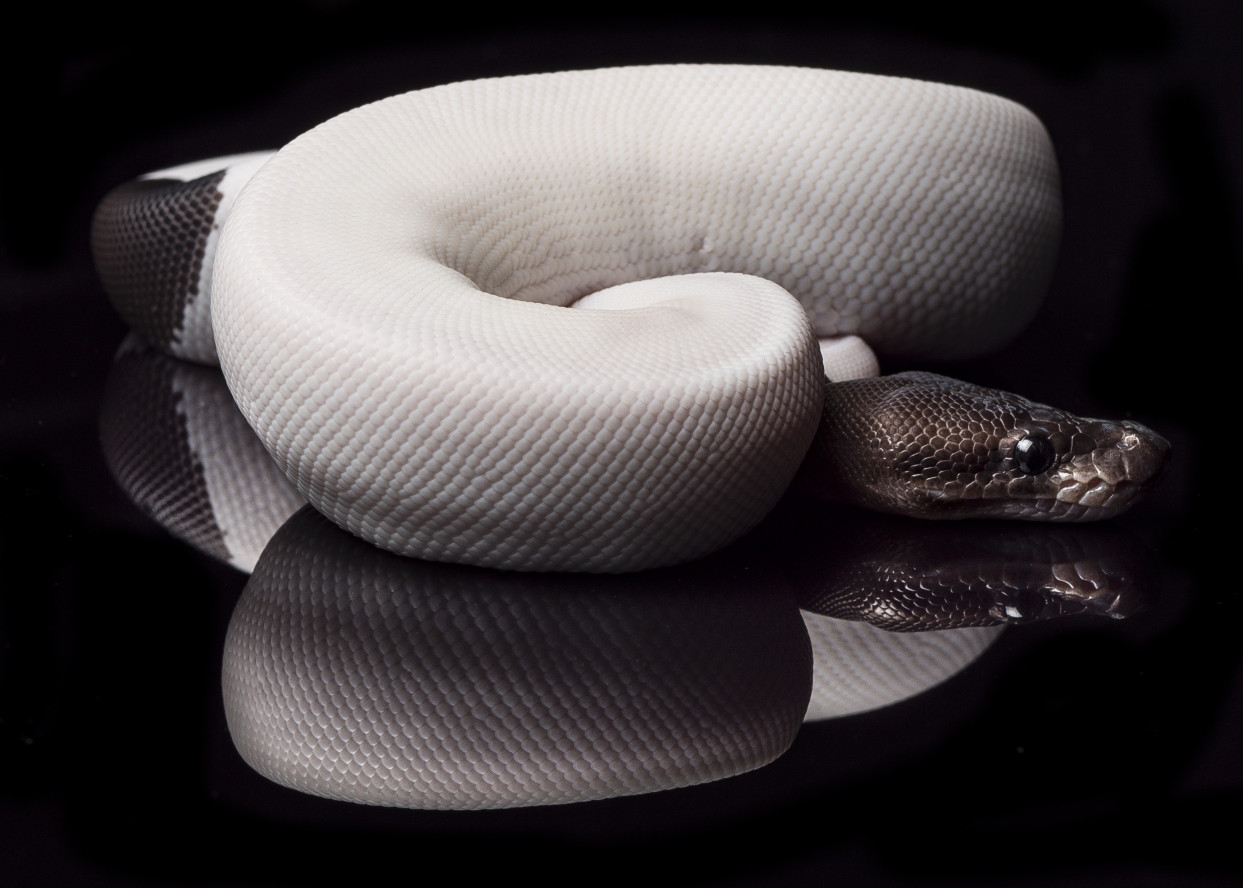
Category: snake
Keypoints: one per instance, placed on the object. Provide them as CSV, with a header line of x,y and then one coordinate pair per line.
x,y
604,320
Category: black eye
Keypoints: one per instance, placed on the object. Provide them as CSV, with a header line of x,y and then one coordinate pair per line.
x,y
1034,454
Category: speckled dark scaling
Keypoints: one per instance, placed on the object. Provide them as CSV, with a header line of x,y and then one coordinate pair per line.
x,y
149,238
146,445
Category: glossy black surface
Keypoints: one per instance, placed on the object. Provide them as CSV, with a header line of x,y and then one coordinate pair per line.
x,y
1077,751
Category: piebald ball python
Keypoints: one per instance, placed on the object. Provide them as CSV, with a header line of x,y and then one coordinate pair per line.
x,y
582,321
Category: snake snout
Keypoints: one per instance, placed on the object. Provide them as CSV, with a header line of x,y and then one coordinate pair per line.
x,y
925,445
1128,460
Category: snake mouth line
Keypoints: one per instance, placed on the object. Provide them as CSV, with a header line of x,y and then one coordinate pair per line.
x,y
1073,501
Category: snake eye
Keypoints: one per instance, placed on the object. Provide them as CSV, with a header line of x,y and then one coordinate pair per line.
x,y
1034,454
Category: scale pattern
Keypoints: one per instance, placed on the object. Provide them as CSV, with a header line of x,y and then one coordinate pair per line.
x,y
149,239
177,445
389,295
147,447
357,675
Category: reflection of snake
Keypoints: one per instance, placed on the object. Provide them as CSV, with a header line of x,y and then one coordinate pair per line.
x,y
354,306
359,675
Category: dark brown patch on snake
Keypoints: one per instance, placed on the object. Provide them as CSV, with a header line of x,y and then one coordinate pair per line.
x,y
148,238
929,446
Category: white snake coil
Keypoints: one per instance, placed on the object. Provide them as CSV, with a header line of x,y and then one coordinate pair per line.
x,y
389,296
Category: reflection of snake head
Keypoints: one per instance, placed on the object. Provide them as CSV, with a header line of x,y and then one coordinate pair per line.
x,y
917,443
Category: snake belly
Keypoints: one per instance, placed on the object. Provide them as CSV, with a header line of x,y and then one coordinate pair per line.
x,y
390,297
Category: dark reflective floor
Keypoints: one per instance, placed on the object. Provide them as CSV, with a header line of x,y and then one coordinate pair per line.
x,y
1079,750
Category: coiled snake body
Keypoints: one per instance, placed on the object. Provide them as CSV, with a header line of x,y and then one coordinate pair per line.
x,y
389,304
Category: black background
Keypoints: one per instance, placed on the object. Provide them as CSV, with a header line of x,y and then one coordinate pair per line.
x,y
1085,755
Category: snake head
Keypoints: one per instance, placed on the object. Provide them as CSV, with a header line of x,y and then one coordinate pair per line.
x,y
927,445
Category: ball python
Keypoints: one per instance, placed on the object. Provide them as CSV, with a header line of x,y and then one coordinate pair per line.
x,y
582,321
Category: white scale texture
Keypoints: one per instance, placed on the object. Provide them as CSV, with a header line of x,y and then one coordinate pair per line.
x,y
389,298
356,675
858,667
250,499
